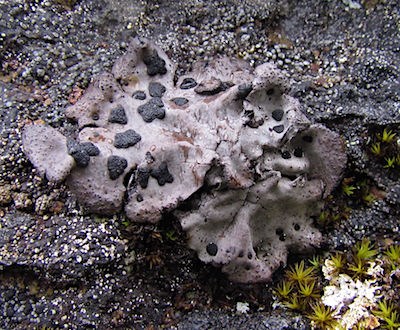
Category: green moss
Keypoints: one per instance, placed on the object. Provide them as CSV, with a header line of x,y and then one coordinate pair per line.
x,y
376,149
322,317
387,136
283,289
364,250
390,162
300,273
338,261
370,267
388,314
384,148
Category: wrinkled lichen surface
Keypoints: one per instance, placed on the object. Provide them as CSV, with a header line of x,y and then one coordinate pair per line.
x,y
225,140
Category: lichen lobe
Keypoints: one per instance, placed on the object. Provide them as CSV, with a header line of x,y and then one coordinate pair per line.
x,y
147,143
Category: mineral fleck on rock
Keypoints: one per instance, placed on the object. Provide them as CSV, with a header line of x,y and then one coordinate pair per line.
x,y
148,144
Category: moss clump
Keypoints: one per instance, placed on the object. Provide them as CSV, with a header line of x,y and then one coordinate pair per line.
x,y
346,290
383,146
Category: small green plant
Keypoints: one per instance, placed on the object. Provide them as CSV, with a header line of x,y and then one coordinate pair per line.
x,y
388,314
362,253
322,317
308,290
348,190
398,160
294,303
300,273
393,256
338,261
368,198
171,235
390,162
315,262
376,149
284,289
364,250
358,268
393,253
387,136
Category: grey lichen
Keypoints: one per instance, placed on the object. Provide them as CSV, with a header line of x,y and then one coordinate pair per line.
x,y
226,135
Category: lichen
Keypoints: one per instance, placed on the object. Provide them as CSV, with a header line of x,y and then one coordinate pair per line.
x,y
225,139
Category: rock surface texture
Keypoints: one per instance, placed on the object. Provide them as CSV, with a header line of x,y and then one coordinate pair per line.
x,y
226,141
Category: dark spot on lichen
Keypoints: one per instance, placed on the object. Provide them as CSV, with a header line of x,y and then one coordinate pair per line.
x,y
143,175
244,90
162,175
308,138
149,157
90,148
154,63
255,123
139,95
152,110
286,155
156,89
270,91
241,254
278,128
81,152
118,115
180,101
252,121
212,86
226,85
81,157
212,249
298,152
277,114
116,166
126,139
296,227
188,83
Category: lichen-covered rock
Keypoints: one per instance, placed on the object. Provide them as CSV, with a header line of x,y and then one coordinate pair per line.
x,y
147,143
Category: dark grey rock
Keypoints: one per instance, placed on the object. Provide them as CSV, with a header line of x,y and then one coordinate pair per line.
x,y
219,320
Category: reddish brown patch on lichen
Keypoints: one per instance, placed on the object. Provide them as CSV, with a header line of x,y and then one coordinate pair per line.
x,y
75,94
